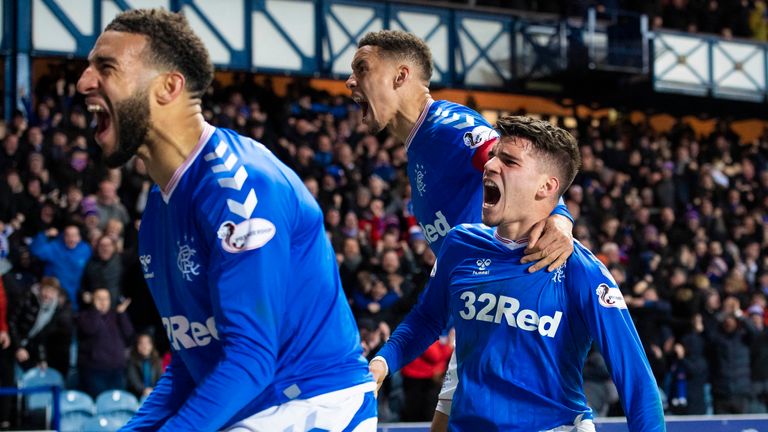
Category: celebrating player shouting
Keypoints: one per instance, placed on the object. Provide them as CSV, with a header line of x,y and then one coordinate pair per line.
x,y
447,145
522,338
232,246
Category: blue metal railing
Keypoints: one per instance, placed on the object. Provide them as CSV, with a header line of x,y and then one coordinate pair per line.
x,y
55,391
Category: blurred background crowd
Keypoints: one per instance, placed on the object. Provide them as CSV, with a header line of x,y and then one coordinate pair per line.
x,y
679,219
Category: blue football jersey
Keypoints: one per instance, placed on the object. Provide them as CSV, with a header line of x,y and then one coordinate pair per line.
x,y
446,152
246,282
522,338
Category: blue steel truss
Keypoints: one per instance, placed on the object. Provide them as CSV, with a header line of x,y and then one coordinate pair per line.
x,y
536,49
445,20
466,62
309,60
540,58
83,43
239,59
7,27
707,83
334,51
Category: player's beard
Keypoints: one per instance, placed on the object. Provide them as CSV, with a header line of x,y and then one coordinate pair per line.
x,y
132,125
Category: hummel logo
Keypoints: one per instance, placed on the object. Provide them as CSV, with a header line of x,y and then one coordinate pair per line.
x,y
145,260
482,266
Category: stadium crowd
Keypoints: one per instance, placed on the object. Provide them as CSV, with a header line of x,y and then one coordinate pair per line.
x,y
679,219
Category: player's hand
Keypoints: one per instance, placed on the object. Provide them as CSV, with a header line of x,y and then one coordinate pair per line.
x,y
52,232
5,340
379,370
550,243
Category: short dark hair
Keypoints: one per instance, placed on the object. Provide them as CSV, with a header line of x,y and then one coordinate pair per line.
x,y
172,44
402,45
557,145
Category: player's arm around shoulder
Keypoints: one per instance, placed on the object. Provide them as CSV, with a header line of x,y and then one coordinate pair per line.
x,y
550,243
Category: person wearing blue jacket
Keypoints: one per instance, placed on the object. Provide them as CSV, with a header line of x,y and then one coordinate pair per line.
x,y
65,257
232,246
522,338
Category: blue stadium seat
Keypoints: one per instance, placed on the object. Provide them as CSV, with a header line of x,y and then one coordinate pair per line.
x,y
39,377
77,401
119,417
74,421
100,424
116,400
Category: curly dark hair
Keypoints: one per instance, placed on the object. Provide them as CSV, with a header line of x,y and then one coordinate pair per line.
x,y
172,44
402,45
554,144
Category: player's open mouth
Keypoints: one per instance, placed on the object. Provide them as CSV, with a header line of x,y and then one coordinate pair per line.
x,y
103,119
491,193
364,105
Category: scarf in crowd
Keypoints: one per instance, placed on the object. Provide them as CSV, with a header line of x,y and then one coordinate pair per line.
x,y
44,316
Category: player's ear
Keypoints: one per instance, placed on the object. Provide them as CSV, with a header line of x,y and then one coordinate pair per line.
x,y
169,88
548,188
403,71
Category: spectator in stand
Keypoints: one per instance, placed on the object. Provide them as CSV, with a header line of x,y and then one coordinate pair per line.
x,y
758,21
40,326
104,333
599,389
351,263
6,230
373,334
109,204
651,316
690,353
5,339
7,378
65,257
759,359
375,299
10,156
731,386
103,270
423,378
144,366
80,171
